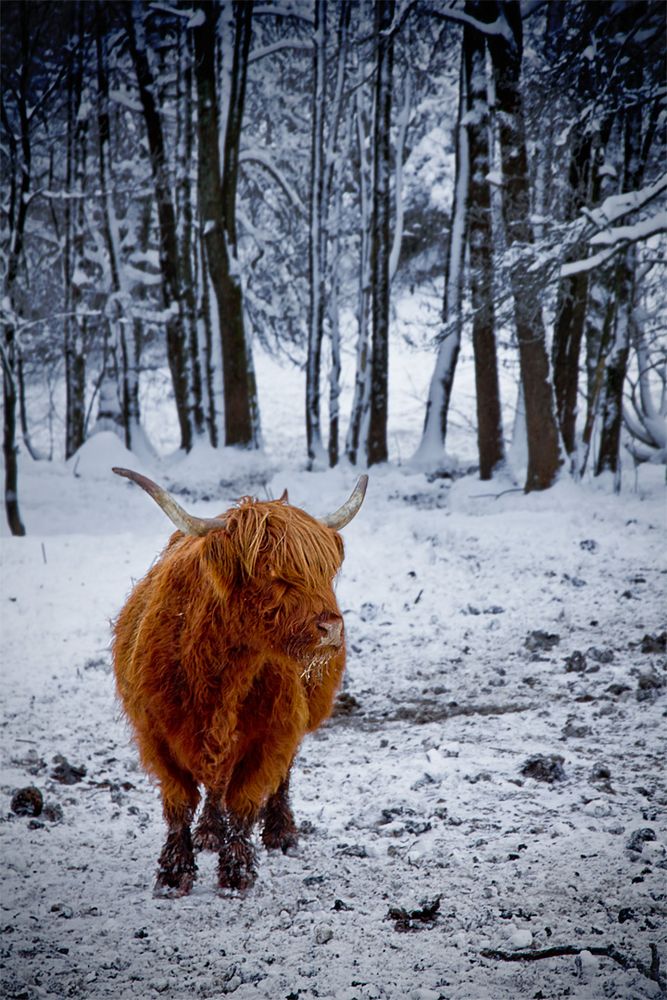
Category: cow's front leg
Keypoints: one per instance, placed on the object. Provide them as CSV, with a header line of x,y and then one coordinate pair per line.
x,y
237,863
279,831
176,865
211,828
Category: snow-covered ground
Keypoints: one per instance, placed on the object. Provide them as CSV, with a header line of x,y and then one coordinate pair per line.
x,y
482,629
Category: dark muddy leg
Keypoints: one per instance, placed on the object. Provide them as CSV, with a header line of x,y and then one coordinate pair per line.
x,y
211,828
176,865
237,865
279,829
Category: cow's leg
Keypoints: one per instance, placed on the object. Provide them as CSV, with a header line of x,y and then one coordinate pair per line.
x,y
180,795
237,864
278,826
211,829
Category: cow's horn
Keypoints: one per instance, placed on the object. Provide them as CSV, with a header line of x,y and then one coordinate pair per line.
x,y
185,522
344,514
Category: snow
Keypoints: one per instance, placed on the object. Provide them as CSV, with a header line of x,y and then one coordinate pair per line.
x,y
417,794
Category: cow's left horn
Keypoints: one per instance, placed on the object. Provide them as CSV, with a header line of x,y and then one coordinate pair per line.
x,y
185,522
344,514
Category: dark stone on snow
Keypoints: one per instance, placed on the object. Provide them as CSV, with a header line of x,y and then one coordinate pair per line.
x,y
543,768
654,643
575,663
27,801
345,704
414,920
649,686
589,545
600,655
626,913
577,732
617,689
541,640
53,812
639,838
66,773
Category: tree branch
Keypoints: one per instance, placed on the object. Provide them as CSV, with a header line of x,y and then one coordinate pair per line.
x,y
609,951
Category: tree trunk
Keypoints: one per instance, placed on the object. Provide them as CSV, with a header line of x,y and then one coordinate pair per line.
x,y
21,163
172,283
9,446
357,432
634,160
571,305
480,243
317,240
218,215
434,433
380,238
74,232
544,457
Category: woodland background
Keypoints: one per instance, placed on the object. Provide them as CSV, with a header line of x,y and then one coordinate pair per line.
x,y
186,184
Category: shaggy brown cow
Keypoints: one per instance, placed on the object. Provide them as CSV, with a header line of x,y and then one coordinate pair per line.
x,y
226,654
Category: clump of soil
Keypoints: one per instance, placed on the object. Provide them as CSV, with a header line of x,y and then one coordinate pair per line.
x,y
539,640
544,768
654,643
649,686
414,920
27,801
345,704
66,773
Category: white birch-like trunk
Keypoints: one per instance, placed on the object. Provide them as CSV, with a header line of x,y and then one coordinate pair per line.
x,y
430,452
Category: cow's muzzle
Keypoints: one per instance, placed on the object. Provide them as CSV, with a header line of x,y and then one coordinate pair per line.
x,y
330,627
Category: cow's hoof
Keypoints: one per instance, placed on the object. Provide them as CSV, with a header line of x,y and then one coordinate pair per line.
x,y
237,871
173,885
286,841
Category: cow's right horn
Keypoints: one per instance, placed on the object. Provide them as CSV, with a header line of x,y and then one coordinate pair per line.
x,y
185,522
344,514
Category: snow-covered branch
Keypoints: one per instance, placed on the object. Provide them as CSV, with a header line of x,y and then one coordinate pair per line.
x,y
262,158
613,238
284,44
452,12
284,10
631,234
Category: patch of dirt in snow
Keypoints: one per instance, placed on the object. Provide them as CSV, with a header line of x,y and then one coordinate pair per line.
x,y
416,792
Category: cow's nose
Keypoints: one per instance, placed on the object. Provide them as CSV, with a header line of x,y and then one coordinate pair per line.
x,y
331,629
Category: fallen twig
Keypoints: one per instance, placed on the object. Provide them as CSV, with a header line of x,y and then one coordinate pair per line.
x,y
497,496
608,951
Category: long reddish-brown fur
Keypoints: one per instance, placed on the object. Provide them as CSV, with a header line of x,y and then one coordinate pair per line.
x,y
221,671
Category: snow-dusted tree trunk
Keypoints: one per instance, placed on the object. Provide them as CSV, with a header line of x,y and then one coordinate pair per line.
x,y
434,434
635,153
376,447
480,246
217,208
122,332
20,161
581,188
185,210
170,264
357,431
544,457
317,244
74,239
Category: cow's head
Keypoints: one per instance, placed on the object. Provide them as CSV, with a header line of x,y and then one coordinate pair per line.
x,y
273,566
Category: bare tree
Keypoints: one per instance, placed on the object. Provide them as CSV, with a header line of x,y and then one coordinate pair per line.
x,y
376,447
544,455
217,207
480,246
